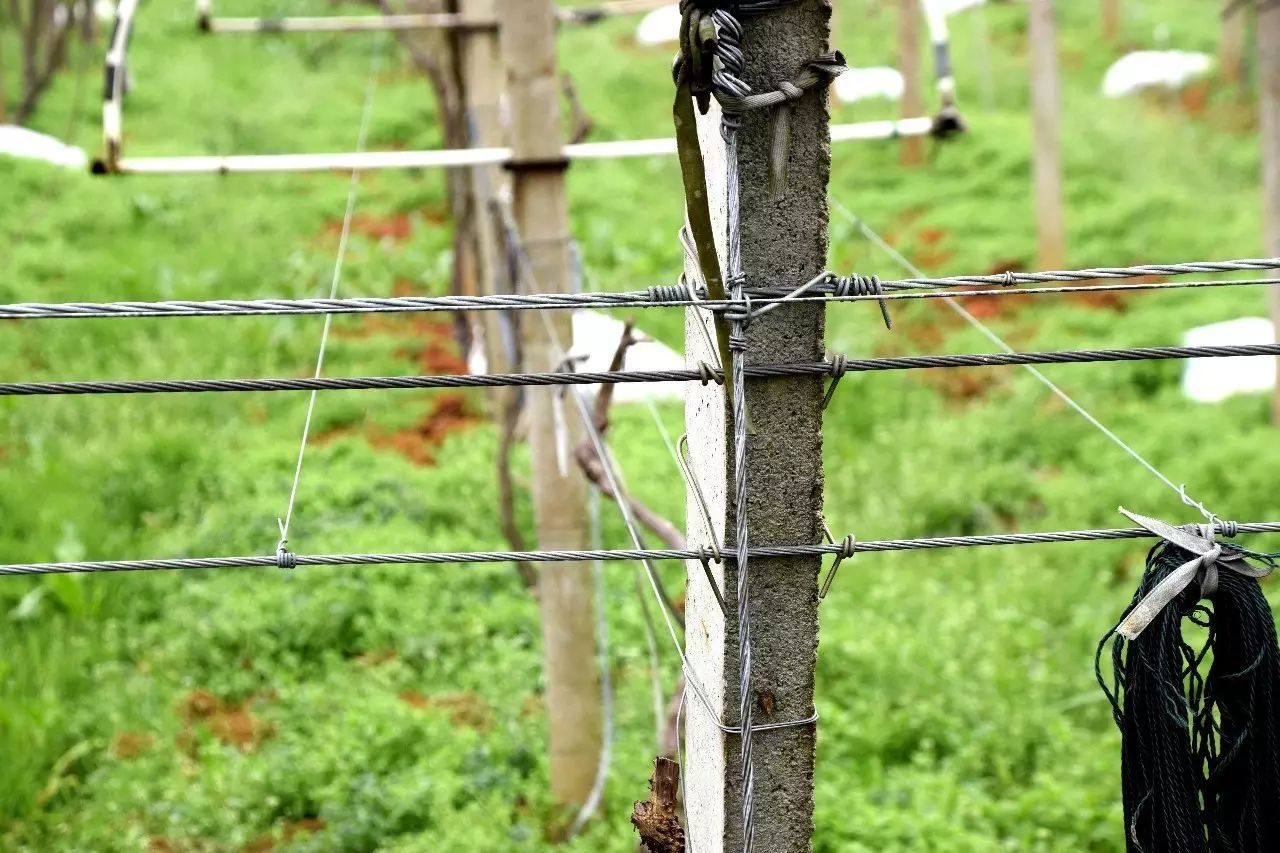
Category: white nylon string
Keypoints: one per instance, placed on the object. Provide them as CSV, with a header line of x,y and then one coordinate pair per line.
x,y
998,341
375,60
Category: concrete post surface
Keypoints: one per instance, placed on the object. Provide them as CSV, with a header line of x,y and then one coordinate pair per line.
x,y
784,243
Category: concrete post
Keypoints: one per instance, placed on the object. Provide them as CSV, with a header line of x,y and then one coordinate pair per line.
x,y
784,243
542,215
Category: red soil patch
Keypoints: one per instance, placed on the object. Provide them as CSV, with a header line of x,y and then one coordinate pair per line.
x,y
1110,300
376,658
932,236
927,336
439,351
160,844
418,443
466,710
990,307
933,259
397,227
230,722
129,745
1195,98
963,385
434,347
290,831
448,414
1007,265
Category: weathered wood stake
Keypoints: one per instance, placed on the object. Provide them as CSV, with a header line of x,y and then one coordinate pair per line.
x,y
1111,19
1231,38
1268,23
912,104
542,215
1045,108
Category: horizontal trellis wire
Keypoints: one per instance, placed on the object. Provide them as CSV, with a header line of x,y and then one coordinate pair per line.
x,y
836,368
662,295
288,560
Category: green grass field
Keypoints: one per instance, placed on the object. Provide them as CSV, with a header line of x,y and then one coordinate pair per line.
x,y
400,709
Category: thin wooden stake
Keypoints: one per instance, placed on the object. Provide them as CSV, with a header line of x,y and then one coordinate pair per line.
x,y
1269,103
559,491
1045,107
1231,37
912,103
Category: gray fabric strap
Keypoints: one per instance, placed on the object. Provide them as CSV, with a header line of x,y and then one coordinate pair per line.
x,y
1210,558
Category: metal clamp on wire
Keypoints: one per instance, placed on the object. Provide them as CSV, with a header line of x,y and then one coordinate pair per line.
x,y
847,547
285,559
845,286
708,374
1209,556
838,366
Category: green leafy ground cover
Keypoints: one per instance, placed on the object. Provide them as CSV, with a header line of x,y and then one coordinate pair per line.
x,y
400,709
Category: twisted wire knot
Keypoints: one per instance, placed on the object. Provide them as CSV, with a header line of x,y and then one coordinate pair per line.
x,y
838,366
863,285
857,285
285,559
848,545
709,554
1008,279
660,293
707,374
790,91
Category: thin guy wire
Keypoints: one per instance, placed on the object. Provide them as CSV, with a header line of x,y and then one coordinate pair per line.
x,y
629,377
352,191
614,476
598,442
738,357
650,635
478,557
1045,380
657,297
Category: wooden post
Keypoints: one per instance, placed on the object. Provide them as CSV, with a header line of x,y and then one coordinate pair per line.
x,y
1231,35
912,104
1268,24
482,91
1045,107
1111,19
542,216
784,244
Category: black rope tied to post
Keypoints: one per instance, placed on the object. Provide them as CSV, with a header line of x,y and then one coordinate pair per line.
x,y
1200,752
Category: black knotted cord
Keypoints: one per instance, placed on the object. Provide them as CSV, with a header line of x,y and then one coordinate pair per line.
x,y
1200,755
